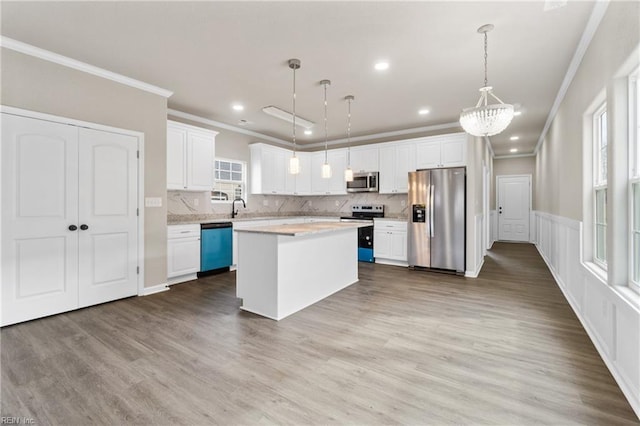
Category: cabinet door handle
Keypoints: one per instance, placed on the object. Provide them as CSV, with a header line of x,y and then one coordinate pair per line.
x,y
84,227
72,227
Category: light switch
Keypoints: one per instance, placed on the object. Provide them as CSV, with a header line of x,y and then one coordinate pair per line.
x,y
196,202
153,202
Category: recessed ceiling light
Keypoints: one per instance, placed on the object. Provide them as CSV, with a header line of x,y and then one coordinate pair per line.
x,y
514,138
513,150
308,132
237,107
517,113
423,111
381,66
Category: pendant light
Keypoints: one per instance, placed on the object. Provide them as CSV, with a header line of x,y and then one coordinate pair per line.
x,y
294,161
326,167
485,119
348,173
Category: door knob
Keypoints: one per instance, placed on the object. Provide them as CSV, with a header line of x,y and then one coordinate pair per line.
x,y
72,227
84,227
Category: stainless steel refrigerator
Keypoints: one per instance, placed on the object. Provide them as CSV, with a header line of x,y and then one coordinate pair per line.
x,y
436,229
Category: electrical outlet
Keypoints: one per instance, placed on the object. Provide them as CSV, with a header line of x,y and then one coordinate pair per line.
x,y
265,202
337,203
196,202
310,203
153,202
403,203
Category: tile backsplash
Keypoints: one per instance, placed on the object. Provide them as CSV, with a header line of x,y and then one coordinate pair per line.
x,y
181,203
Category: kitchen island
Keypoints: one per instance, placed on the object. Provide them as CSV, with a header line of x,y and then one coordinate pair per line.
x,y
285,268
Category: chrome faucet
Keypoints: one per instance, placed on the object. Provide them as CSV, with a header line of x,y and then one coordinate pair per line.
x,y
234,212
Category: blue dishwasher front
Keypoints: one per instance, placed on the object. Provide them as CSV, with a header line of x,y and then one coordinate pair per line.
x,y
216,246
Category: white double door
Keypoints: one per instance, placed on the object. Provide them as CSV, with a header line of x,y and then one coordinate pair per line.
x,y
69,217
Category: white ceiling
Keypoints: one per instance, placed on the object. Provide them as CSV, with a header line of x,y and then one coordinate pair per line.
x,y
214,54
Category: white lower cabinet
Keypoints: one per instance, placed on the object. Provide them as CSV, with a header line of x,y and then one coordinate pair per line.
x,y
390,242
183,253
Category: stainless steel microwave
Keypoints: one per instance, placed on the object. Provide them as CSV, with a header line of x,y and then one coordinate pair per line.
x,y
363,182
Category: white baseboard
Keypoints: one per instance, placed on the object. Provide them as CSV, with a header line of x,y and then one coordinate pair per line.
x,y
182,278
391,262
154,289
474,274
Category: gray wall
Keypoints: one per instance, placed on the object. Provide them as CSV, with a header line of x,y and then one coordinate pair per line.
x,y
559,179
33,84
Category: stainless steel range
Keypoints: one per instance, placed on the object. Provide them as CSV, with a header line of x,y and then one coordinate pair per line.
x,y
365,213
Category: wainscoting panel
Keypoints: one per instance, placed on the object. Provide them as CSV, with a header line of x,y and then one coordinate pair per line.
x,y
611,321
493,231
474,264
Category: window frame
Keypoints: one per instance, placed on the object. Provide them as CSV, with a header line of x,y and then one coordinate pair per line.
x,y
599,182
634,174
243,183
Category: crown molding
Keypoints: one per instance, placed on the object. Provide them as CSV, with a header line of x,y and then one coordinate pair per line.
x,y
303,147
593,23
202,120
501,157
47,55
385,134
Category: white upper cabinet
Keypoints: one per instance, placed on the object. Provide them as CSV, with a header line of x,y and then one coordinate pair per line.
x,y
303,179
335,185
441,151
396,161
190,157
364,159
269,169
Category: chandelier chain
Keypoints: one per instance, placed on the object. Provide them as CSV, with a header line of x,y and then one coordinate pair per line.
x,y
486,81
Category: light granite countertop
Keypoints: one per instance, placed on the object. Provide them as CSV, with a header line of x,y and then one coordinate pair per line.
x,y
391,218
299,229
200,219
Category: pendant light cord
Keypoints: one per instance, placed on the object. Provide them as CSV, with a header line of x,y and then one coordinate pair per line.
x,y
349,133
294,111
326,133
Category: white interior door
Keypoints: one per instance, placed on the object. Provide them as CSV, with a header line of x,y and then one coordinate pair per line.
x,y
108,228
514,207
39,205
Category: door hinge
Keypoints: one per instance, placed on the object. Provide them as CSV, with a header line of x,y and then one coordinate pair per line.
x,y
137,270
138,212
138,154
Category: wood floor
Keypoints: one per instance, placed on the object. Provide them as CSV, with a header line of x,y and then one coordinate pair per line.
x,y
399,347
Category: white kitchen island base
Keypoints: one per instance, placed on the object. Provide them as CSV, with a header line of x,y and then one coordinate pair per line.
x,y
283,269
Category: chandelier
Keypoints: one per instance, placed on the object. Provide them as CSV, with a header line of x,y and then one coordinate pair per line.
x,y
486,119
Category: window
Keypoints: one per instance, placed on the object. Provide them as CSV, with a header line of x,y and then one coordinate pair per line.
x,y
600,186
634,180
229,180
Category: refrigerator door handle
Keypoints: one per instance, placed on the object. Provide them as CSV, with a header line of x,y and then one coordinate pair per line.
x,y
431,192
